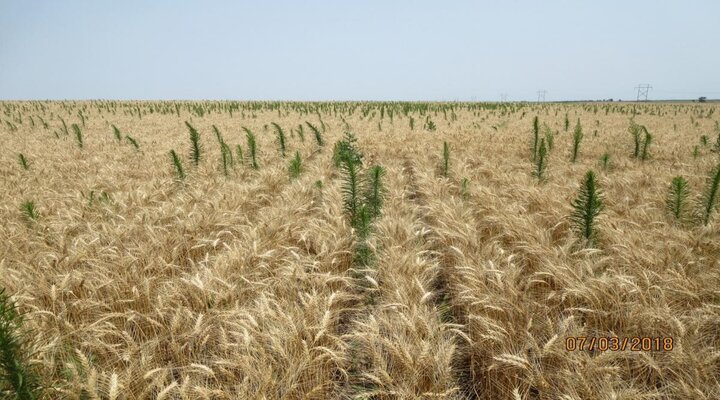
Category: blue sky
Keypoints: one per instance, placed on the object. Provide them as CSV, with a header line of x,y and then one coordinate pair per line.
x,y
358,50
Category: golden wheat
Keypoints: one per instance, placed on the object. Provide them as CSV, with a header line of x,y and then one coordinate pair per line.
x,y
244,286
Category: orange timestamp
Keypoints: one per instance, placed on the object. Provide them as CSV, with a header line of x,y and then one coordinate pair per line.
x,y
615,343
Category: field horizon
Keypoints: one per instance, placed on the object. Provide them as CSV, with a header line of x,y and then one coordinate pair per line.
x,y
361,250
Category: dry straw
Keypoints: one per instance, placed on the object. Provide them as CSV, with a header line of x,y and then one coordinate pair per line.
x,y
250,286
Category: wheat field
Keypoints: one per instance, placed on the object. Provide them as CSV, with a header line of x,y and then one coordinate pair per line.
x,y
225,281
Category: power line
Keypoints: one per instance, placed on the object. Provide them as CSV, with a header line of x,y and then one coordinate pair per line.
x,y
642,91
541,95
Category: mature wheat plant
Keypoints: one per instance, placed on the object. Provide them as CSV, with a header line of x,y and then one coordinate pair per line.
x,y
361,272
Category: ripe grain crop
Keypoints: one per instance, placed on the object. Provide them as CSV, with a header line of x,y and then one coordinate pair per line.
x,y
391,263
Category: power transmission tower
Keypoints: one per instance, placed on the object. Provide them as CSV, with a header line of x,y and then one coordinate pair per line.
x,y
541,95
642,91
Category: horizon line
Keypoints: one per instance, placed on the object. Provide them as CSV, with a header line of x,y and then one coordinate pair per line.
x,y
608,100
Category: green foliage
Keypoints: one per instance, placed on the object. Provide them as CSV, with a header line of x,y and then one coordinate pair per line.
x,y
346,148
605,161
195,145
374,191
301,133
536,137
18,378
716,146
218,136
412,123
549,137
586,207
11,126
696,152
116,132
65,128
430,125
646,144
23,161
252,148
363,226
132,141
710,196
29,210
91,198
226,157
541,160
361,208
446,159
104,197
577,137
464,188
239,154
635,131
350,165
567,122
316,132
280,137
704,140
295,166
178,165
362,194
78,135
677,197
228,153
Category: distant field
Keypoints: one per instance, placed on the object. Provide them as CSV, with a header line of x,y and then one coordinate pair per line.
x,y
439,250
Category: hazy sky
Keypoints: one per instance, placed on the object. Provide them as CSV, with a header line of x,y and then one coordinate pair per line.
x,y
358,50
